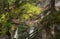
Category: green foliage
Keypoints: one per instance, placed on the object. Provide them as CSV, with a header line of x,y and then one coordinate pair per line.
x,y
11,1
21,10
4,17
28,10
25,10
22,31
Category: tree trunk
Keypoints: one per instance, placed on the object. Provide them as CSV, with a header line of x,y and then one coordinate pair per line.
x,y
52,6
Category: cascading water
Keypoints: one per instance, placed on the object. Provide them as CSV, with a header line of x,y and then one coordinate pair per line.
x,y
30,31
16,34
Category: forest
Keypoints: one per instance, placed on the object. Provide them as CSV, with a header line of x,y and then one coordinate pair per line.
x,y
29,19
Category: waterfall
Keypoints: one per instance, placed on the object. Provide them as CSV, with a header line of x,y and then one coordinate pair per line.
x,y
16,34
31,30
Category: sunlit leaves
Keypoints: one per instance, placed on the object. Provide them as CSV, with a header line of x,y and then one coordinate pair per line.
x,y
25,16
4,24
29,10
4,17
11,1
26,11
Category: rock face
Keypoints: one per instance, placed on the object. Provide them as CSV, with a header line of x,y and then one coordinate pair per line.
x,y
4,37
57,5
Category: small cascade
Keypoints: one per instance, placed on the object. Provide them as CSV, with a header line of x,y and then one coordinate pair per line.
x,y
31,30
16,34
